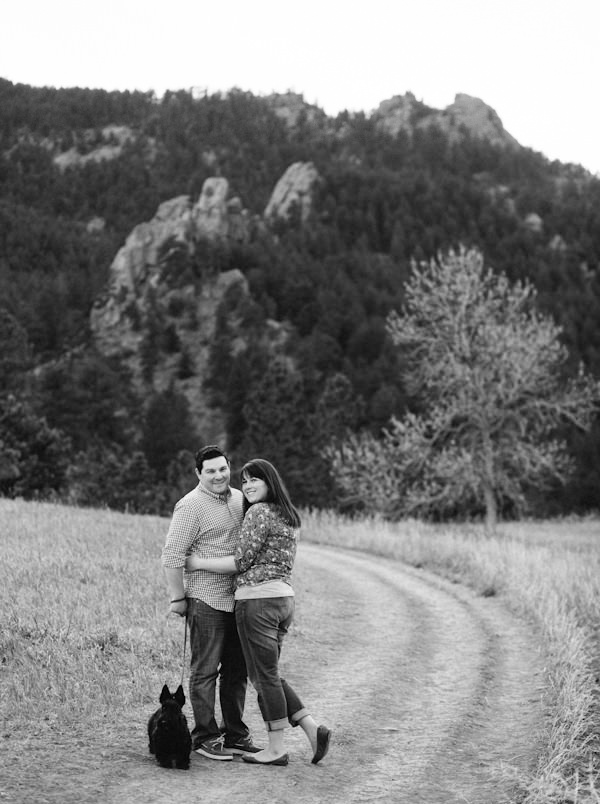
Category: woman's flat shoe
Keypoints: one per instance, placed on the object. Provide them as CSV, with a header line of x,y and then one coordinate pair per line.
x,y
250,758
323,738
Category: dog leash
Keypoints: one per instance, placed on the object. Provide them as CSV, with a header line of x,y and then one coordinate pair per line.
x,y
185,630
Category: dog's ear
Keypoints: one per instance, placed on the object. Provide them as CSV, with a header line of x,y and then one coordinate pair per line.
x,y
179,695
164,694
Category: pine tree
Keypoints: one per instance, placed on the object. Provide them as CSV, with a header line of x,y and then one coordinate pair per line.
x,y
34,456
167,430
277,427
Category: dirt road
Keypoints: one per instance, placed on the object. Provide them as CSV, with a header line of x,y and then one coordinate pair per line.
x,y
433,695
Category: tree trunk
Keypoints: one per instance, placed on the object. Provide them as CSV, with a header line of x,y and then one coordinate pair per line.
x,y
491,510
489,496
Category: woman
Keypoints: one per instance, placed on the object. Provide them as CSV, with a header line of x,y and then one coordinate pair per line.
x,y
264,607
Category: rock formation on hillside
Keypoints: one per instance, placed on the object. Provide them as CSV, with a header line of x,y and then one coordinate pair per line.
x,y
534,222
215,216
112,141
293,188
154,314
476,116
397,114
405,113
158,313
291,107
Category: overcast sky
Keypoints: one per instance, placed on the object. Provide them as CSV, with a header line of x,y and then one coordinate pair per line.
x,y
535,62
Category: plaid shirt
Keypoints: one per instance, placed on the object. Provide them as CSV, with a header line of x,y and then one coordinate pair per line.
x,y
209,524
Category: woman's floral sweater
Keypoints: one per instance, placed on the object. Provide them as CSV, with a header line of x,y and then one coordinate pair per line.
x,y
267,546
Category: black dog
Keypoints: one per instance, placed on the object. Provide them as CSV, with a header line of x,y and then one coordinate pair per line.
x,y
168,734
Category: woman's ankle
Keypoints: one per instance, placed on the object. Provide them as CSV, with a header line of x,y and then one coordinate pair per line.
x,y
309,726
276,742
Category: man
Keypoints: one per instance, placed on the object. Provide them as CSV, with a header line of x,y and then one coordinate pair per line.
x,y
208,521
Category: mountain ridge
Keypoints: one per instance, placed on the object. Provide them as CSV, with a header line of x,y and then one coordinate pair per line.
x,y
299,337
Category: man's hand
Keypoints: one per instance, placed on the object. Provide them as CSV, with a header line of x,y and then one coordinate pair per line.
x,y
178,607
174,578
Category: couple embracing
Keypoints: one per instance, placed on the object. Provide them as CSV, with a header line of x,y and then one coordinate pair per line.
x,y
228,560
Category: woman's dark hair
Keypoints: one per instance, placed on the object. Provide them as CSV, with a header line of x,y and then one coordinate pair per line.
x,y
277,492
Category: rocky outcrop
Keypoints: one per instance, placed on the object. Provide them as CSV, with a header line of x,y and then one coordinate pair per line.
x,y
156,314
113,137
215,216
292,108
534,222
557,243
177,221
397,114
95,225
405,113
477,117
294,188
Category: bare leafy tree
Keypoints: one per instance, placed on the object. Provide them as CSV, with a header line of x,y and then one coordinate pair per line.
x,y
491,373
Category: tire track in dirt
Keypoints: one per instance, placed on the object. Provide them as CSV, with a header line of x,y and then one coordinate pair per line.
x,y
430,691
454,688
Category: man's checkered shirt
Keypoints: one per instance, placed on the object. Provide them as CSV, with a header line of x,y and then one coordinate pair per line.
x,y
208,524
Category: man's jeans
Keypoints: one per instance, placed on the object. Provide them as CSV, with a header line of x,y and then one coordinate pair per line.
x,y
216,652
262,624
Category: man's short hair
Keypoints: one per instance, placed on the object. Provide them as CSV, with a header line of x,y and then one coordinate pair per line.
x,y
208,452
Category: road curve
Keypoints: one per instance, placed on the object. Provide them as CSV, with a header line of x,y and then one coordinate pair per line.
x,y
434,695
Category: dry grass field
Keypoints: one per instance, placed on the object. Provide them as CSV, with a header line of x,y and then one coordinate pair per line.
x,y
84,636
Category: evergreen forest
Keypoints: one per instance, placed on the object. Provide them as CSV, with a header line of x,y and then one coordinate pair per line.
x,y
72,425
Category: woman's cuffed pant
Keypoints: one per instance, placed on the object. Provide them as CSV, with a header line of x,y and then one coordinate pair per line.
x,y
262,624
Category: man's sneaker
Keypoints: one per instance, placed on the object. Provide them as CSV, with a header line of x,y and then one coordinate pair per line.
x,y
213,749
242,746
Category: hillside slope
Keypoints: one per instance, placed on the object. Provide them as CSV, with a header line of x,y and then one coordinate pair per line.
x,y
82,169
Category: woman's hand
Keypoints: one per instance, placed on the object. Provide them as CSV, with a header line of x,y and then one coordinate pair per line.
x,y
193,562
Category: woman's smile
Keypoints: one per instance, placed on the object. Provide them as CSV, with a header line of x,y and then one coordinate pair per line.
x,y
255,489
